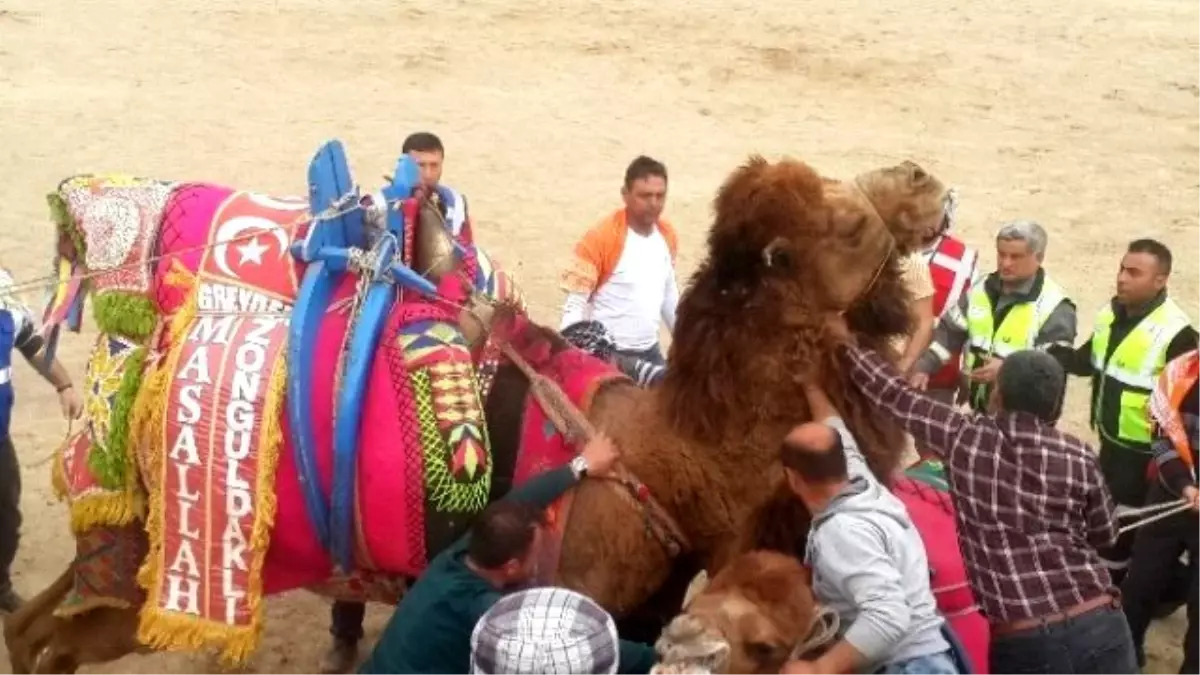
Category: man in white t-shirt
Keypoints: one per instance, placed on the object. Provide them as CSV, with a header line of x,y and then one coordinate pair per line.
x,y
623,270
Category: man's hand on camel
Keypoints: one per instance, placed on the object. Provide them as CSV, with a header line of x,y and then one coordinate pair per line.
x,y
919,381
601,455
835,324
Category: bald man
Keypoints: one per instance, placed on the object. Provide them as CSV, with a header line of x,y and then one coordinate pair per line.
x,y
870,566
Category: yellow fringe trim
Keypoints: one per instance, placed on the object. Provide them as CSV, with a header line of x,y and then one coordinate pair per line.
x,y
166,630
105,508
147,426
146,418
108,509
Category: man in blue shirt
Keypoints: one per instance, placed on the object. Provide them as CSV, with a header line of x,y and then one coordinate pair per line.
x,y
18,330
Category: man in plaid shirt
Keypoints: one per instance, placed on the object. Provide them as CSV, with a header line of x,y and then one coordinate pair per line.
x,y
1032,510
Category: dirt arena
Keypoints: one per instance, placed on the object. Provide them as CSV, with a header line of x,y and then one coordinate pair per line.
x,y
1081,114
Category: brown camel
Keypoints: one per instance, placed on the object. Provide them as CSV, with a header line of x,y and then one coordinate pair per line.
x,y
752,617
784,250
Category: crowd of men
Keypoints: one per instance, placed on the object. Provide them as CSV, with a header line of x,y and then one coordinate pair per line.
x,y
980,385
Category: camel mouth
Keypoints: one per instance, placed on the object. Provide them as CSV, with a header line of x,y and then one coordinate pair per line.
x,y
688,645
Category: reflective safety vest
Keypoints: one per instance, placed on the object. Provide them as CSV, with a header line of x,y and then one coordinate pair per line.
x,y
952,268
1018,330
8,336
1123,382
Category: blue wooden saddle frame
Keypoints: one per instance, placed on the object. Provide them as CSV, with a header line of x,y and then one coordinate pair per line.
x,y
337,243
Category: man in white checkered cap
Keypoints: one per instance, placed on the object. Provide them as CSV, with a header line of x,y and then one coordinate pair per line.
x,y
552,630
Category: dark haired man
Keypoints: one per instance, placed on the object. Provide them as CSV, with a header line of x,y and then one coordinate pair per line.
x,y
1134,337
867,558
430,631
622,273
1032,511
427,151
1175,407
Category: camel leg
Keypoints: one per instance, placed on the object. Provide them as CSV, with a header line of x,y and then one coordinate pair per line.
x,y
39,642
27,629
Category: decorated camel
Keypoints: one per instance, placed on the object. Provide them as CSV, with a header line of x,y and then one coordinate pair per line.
x,y
784,249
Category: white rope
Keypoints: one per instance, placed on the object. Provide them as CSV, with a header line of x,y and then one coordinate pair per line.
x,y
1165,509
40,283
824,630
1131,511
53,453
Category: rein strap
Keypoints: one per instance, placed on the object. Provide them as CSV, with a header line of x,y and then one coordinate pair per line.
x,y
575,426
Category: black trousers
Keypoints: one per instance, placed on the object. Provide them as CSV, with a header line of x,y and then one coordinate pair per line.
x,y
1124,472
10,510
346,621
1156,551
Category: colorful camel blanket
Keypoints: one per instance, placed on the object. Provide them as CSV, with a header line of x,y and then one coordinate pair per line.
x,y
219,394
94,469
193,400
543,446
922,490
113,220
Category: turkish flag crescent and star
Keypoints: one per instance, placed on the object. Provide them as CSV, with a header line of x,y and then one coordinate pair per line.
x,y
249,240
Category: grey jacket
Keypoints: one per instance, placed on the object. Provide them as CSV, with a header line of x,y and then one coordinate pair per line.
x,y
869,564
950,334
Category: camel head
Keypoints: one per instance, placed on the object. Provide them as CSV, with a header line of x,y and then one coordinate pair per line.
x,y
754,615
909,199
785,250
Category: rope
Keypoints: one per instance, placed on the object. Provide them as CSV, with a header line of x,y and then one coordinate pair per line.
x,y
1167,509
824,629
572,423
39,283
50,455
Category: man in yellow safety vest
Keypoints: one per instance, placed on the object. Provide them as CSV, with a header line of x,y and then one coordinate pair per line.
x,y
1016,307
1134,337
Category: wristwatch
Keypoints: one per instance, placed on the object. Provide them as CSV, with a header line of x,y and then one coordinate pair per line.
x,y
579,467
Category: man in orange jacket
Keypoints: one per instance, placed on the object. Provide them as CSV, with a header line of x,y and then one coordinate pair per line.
x,y
622,272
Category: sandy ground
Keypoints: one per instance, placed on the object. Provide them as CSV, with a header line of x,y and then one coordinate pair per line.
x,y
1079,113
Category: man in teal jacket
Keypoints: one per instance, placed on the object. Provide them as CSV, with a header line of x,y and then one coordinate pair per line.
x,y
431,629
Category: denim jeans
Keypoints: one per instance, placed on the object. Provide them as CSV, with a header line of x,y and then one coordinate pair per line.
x,y
1093,642
933,664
